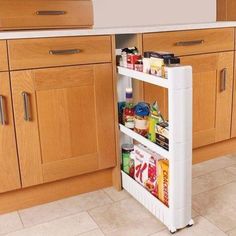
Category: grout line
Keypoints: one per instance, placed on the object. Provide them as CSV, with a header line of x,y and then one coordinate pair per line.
x,y
220,168
21,219
96,223
113,201
89,232
228,231
209,190
107,195
54,219
210,221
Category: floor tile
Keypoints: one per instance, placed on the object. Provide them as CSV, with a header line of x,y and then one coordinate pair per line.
x,y
116,195
67,226
202,227
50,211
218,206
232,232
211,165
92,200
46,212
194,213
231,169
96,232
212,180
126,217
10,222
232,157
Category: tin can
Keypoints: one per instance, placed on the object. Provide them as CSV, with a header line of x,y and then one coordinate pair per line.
x,y
126,159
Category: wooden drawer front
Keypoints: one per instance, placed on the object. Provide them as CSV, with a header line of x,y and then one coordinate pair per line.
x,y
36,53
190,42
32,14
3,56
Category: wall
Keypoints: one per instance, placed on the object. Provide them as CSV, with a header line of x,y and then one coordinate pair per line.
x,y
115,13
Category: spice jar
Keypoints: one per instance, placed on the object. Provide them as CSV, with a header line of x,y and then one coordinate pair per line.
x,y
138,66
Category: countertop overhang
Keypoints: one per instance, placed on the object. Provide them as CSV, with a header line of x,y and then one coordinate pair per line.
x,y
112,31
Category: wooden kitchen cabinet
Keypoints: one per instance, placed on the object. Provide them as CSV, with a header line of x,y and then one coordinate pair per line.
x,y
64,121
9,173
233,128
212,96
33,14
226,10
3,56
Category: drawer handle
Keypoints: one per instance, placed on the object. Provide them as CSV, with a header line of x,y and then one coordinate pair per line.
x,y
223,78
26,104
64,52
189,43
2,111
50,13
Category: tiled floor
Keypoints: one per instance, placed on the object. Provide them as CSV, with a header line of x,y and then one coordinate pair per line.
x,y
112,213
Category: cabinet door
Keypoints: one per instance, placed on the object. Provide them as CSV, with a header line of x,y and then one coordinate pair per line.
x,y
9,174
64,121
212,96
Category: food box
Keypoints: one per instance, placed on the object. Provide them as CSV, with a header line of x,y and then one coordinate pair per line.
x,y
146,167
163,181
162,135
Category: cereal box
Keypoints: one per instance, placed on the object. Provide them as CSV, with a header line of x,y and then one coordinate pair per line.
x,y
163,181
146,168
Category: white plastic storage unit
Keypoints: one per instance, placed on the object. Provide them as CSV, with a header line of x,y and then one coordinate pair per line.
x,y
179,85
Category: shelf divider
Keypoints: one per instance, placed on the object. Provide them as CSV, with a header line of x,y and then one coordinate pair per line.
x,y
152,79
154,147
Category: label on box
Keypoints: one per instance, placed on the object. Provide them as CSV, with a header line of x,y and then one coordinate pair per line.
x,y
146,168
163,181
162,136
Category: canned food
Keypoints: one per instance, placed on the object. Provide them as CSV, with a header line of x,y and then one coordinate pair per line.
x,y
126,160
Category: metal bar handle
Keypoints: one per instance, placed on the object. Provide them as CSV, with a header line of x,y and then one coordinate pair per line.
x,y
223,79
50,13
64,52
2,111
189,43
26,104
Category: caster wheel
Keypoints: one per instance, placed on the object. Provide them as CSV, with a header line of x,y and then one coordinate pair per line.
x,y
190,224
173,232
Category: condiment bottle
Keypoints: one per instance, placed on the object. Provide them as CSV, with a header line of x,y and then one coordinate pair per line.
x,y
128,112
141,118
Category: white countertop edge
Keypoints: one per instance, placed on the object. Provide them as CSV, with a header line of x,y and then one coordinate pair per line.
x,y
112,31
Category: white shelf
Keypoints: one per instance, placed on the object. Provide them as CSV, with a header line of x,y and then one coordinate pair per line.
x,y
152,79
179,85
153,204
154,147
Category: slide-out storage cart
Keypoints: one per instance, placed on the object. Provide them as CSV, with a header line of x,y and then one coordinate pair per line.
x,y
179,84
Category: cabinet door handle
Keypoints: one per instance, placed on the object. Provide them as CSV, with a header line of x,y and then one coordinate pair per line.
x,y
223,79
50,13
64,52
2,111
26,104
189,43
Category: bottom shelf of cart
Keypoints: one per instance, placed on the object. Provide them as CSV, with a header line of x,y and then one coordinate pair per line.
x,y
155,206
